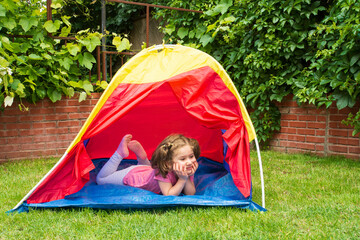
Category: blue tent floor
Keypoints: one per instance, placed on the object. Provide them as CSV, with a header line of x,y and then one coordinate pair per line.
x,y
214,185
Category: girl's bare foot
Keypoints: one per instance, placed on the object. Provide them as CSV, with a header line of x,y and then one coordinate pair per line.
x,y
123,146
139,151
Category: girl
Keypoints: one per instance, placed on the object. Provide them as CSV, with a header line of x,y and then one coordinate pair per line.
x,y
170,171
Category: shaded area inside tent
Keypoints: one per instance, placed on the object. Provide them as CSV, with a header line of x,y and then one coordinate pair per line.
x,y
214,185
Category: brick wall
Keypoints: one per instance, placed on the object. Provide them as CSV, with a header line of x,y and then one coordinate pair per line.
x,y
47,129
315,130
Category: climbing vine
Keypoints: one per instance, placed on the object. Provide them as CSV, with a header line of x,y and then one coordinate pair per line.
x,y
310,49
36,65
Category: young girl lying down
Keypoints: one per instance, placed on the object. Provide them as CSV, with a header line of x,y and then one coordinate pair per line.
x,y
170,171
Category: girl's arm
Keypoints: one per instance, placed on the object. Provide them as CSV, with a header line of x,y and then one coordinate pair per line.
x,y
189,188
168,189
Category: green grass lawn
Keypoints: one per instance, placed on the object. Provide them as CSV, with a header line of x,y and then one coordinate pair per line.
x,y
307,197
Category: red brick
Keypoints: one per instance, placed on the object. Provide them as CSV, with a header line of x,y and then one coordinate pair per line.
x,y
10,148
349,141
307,118
333,111
73,102
66,109
86,109
18,125
94,101
31,132
288,130
306,131
333,125
44,125
33,146
338,148
312,139
71,123
48,110
31,118
298,110
333,140
19,140
9,133
74,129
316,125
87,102
49,138
59,116
281,136
284,123
337,118
315,111
66,137
320,132
297,124
78,115
50,131
321,118
354,150
8,119
299,138
306,146
284,110
341,133
319,147
289,117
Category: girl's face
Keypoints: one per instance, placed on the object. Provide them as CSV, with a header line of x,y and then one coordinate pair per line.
x,y
185,157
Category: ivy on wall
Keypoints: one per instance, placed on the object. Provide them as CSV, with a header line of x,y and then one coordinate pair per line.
x,y
39,66
273,48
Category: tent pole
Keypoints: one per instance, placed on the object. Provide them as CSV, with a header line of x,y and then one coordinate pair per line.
x,y
34,188
261,173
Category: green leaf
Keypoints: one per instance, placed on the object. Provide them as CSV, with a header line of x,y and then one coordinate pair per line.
x,y
20,90
74,84
40,92
66,62
27,23
182,32
354,59
6,43
90,42
51,26
9,23
205,39
2,11
73,48
65,31
87,60
82,96
53,94
8,101
65,20
88,87
121,44
169,29
220,8
35,57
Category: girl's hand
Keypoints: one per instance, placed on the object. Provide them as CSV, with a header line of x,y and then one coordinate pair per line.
x,y
180,171
194,167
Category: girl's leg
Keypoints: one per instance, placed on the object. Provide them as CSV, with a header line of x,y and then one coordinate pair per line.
x,y
109,173
140,153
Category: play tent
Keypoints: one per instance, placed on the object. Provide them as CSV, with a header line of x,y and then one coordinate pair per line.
x,y
162,90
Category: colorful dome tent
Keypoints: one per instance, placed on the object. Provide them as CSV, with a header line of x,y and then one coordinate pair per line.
x,y
162,90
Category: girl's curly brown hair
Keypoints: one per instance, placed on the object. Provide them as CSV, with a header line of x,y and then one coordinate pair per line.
x,y
163,154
